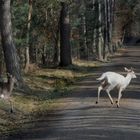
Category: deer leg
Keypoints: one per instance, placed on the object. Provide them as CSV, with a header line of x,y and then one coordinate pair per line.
x,y
108,93
119,97
99,90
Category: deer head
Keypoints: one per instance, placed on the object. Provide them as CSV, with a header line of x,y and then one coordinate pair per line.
x,y
131,72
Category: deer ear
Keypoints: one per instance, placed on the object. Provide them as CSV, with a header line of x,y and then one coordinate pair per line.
x,y
126,69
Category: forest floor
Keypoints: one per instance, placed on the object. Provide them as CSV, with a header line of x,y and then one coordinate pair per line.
x,y
74,115
45,87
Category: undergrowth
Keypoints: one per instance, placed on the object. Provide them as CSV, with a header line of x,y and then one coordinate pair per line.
x,y
46,87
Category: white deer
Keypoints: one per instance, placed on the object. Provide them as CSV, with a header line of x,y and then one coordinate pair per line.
x,y
111,80
6,89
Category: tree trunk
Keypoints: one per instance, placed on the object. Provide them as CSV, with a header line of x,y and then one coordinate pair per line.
x,y
82,39
94,30
109,29
100,35
27,54
10,54
56,51
56,46
44,55
105,49
65,49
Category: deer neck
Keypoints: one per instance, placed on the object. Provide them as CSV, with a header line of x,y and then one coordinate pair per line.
x,y
128,79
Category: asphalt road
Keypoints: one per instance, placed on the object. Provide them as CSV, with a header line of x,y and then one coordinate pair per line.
x,y
82,119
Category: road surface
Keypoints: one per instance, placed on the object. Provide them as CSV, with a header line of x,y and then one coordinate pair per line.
x,y
82,119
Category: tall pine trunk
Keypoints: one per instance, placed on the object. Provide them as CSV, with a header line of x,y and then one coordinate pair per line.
x,y
65,49
10,54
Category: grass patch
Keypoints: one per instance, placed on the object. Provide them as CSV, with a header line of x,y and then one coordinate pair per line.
x,y
47,85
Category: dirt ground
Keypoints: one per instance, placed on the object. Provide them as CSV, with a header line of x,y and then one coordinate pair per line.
x,y
81,119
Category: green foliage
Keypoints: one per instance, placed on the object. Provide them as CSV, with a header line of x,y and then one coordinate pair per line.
x,y
129,13
19,22
44,29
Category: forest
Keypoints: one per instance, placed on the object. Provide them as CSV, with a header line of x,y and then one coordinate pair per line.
x,y
47,46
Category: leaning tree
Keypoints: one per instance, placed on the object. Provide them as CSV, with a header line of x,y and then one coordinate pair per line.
x,y
10,54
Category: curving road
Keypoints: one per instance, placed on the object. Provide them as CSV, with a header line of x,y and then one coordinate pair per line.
x,y
82,119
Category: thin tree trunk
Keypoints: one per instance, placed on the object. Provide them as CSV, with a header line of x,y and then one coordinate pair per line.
x,y
56,45
100,38
105,50
27,55
109,24
82,39
56,51
44,55
94,30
